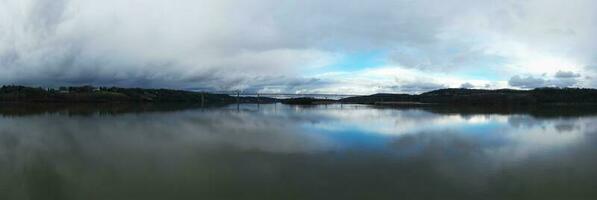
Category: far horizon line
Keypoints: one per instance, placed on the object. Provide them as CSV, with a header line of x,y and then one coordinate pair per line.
x,y
241,92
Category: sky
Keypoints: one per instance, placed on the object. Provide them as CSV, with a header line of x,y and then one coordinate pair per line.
x,y
306,46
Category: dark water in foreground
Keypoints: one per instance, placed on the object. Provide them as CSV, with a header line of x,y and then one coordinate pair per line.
x,y
287,152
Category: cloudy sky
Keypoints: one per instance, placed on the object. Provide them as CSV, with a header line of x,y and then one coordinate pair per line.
x,y
308,46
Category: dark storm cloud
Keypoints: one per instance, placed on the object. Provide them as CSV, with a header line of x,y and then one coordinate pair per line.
x,y
157,44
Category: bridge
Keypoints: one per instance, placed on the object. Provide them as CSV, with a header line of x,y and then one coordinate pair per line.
x,y
286,95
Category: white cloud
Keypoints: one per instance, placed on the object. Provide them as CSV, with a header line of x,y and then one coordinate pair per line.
x,y
265,44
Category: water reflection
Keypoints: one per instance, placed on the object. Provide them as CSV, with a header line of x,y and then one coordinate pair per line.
x,y
292,152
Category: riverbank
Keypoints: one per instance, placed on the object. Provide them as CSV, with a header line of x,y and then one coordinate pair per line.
x,y
89,94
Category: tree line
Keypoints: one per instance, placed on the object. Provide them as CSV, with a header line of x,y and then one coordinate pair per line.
x,y
488,97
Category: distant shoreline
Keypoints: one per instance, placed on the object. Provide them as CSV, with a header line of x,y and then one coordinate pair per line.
x,y
90,94
477,97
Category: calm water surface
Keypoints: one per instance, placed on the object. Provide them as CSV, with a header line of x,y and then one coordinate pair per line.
x,y
289,152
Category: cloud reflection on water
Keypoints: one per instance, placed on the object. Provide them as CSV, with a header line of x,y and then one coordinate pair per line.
x,y
275,145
